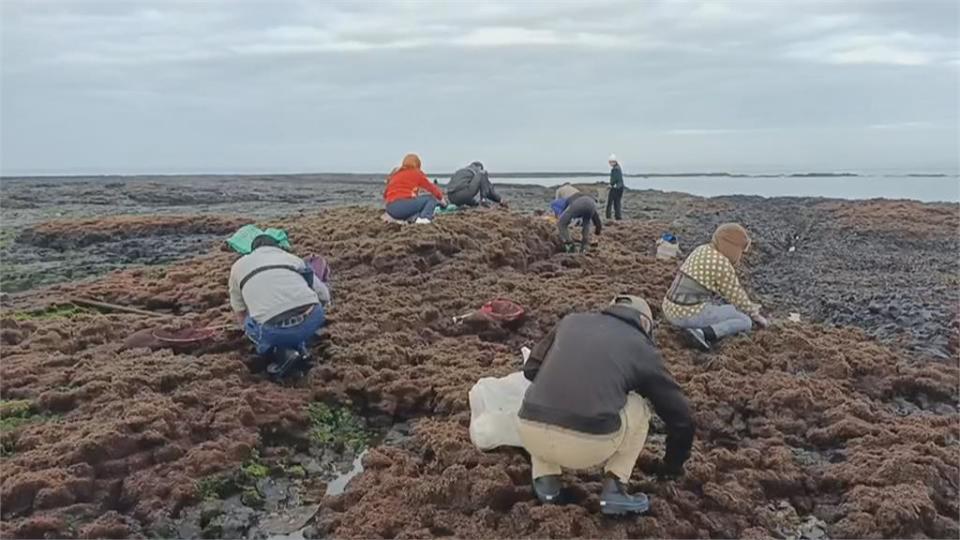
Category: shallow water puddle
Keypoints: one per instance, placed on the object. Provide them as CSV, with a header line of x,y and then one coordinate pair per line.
x,y
338,484
291,524
295,520
278,496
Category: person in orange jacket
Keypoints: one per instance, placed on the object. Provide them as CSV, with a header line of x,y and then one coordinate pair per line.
x,y
403,198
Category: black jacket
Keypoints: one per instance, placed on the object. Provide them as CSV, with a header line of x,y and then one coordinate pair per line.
x,y
584,369
462,178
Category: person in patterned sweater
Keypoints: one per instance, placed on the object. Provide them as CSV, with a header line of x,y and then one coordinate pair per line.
x,y
707,275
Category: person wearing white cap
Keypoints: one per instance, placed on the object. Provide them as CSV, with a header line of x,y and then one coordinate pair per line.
x,y
615,197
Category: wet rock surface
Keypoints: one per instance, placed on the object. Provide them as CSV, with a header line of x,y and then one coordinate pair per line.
x,y
889,268
62,250
805,430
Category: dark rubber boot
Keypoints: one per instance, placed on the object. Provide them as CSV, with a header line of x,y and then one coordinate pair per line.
x,y
614,499
547,488
286,360
696,338
306,364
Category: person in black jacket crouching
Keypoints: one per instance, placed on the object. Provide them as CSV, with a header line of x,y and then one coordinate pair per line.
x,y
595,378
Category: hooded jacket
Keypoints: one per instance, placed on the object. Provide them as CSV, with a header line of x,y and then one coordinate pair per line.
x,y
709,271
407,181
584,368
706,273
462,178
732,240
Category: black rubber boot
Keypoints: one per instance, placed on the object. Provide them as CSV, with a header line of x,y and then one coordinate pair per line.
x,y
547,488
696,338
614,499
306,364
285,361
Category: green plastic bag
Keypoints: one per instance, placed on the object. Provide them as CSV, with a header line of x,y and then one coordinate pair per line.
x,y
451,208
242,240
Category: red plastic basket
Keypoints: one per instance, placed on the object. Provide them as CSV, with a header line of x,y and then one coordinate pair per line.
x,y
502,310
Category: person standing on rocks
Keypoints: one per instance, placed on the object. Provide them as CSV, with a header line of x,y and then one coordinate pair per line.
x,y
469,183
279,302
615,195
573,204
402,196
595,377
709,272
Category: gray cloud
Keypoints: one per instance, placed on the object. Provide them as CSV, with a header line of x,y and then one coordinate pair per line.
x,y
220,86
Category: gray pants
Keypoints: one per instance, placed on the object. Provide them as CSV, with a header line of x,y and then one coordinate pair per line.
x,y
583,208
725,320
467,196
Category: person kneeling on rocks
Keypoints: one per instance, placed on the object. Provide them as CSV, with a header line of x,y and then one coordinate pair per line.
x,y
402,197
279,302
708,273
594,379
572,204
469,183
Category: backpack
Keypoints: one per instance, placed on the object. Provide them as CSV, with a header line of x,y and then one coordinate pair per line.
x,y
319,266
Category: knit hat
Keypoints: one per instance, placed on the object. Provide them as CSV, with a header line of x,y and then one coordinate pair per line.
x,y
732,240
635,303
613,158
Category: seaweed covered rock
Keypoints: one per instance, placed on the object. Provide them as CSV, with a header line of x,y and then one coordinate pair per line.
x,y
801,427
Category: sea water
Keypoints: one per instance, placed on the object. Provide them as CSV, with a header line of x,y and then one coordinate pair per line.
x,y
944,188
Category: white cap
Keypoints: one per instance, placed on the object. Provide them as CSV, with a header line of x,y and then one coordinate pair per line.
x,y
613,157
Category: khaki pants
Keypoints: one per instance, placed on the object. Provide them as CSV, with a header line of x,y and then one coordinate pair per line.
x,y
555,448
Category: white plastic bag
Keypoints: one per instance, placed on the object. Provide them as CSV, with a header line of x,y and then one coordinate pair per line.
x,y
494,404
667,250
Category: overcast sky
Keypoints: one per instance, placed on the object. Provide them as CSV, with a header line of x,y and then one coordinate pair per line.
x,y
285,86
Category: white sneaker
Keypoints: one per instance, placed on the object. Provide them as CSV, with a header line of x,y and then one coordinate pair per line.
x,y
422,221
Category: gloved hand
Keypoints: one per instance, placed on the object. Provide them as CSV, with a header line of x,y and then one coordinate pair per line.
x,y
664,472
760,320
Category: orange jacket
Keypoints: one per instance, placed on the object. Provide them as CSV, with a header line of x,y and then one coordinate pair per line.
x,y
405,183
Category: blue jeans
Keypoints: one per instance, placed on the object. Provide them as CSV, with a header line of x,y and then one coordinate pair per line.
x,y
266,337
725,320
421,207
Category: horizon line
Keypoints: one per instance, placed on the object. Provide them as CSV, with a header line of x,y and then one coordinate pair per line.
x,y
518,174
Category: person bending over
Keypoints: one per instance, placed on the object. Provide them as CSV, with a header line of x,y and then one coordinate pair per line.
x,y
470,186
279,302
403,197
706,298
597,378
572,204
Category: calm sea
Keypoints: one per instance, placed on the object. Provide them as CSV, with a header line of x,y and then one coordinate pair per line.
x,y
927,189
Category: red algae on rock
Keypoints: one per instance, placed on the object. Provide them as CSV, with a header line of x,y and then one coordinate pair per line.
x,y
796,422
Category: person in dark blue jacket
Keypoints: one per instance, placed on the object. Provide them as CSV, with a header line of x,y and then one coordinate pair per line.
x,y
615,197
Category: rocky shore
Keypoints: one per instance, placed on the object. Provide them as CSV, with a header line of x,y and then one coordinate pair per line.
x,y
844,424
